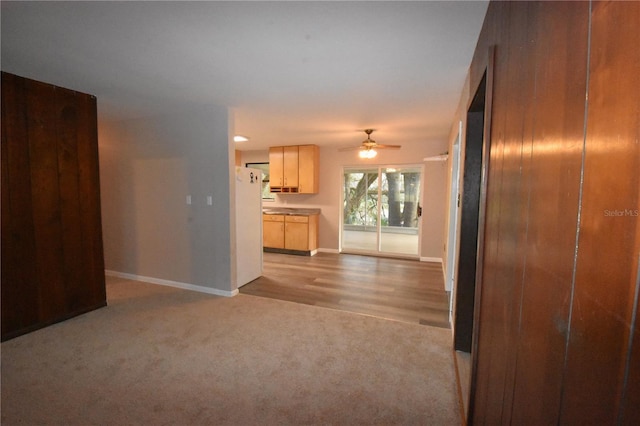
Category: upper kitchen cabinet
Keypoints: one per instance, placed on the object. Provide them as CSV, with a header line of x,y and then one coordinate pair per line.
x,y
294,169
283,167
308,161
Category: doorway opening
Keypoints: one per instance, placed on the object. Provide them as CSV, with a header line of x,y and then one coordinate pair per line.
x,y
469,222
381,210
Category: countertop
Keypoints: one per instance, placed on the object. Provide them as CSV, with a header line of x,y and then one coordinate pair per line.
x,y
290,211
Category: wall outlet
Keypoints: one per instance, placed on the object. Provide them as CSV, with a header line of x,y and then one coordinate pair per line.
x,y
189,199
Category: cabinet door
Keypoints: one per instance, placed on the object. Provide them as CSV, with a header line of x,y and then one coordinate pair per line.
x,y
308,169
290,156
296,233
276,166
296,236
273,234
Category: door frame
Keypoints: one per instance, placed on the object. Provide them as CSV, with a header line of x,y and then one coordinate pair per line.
x,y
454,216
479,108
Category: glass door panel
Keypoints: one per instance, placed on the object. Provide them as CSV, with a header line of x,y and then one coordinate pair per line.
x,y
400,197
360,210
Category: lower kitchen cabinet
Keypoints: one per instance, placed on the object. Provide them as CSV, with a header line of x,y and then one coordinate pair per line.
x,y
273,231
294,234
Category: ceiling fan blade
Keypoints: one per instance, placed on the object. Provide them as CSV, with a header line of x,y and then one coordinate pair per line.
x,y
387,146
370,144
351,148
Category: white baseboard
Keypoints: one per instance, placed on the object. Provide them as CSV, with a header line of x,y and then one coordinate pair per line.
x,y
431,259
447,285
175,284
328,250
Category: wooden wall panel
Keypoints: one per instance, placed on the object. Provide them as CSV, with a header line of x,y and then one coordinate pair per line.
x,y
73,269
606,275
94,293
556,161
507,214
52,243
517,182
491,356
558,336
18,239
532,224
43,167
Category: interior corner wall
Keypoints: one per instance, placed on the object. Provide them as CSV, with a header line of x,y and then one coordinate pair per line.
x,y
557,331
148,168
434,209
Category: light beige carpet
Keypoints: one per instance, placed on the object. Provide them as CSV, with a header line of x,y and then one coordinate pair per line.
x,y
163,356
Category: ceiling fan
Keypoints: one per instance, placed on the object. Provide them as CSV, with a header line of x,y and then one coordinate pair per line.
x,y
369,146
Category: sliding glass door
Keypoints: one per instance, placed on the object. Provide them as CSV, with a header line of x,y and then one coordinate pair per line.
x,y
381,210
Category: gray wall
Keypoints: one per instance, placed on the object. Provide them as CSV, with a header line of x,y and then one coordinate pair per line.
x,y
148,166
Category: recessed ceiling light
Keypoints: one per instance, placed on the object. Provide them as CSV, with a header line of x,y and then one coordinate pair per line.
x,y
239,138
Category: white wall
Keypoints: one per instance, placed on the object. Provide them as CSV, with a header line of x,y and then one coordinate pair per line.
x,y
147,168
458,129
329,200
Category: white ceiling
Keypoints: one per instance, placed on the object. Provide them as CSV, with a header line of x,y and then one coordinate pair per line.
x,y
293,72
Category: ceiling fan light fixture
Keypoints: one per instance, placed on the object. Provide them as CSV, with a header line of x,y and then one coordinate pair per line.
x,y
369,147
367,153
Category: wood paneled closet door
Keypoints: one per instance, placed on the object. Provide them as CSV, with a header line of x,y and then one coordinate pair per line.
x,y
52,256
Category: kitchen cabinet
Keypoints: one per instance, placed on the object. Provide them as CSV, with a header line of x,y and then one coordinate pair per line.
x,y
273,230
276,167
294,169
308,164
290,166
295,234
283,167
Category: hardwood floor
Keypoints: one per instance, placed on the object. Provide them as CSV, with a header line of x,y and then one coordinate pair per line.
x,y
398,289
